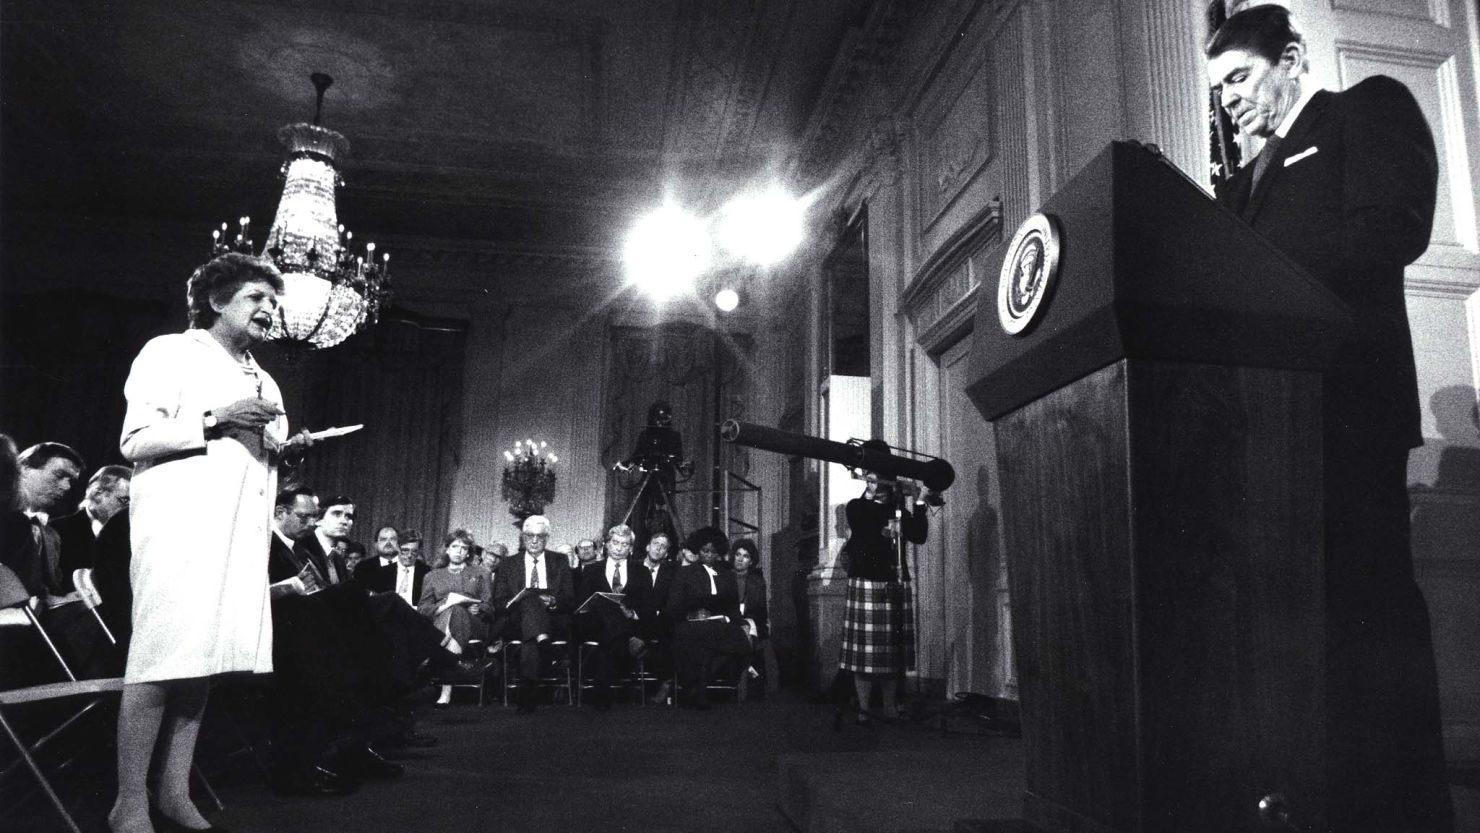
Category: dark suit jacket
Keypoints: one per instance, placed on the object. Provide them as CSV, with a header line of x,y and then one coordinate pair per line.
x,y
77,546
511,578
755,602
1354,206
650,602
284,562
691,593
373,576
309,545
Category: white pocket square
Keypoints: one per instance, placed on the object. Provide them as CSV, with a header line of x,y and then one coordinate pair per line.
x,y
1310,151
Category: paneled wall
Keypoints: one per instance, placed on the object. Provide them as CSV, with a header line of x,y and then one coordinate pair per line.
x,y
984,108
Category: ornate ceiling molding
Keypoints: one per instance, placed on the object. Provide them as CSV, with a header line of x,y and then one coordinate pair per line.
x,y
866,50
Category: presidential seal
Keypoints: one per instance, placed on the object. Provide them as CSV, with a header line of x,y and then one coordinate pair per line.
x,y
1028,273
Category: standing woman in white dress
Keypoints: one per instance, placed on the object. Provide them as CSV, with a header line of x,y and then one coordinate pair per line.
x,y
205,430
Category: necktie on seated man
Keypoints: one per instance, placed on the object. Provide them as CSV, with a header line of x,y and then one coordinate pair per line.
x,y
403,581
617,579
534,573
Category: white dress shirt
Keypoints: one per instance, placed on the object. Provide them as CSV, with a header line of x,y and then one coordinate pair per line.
x,y
406,582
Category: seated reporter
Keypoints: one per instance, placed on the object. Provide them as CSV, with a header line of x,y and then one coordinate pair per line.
x,y
539,616
750,583
649,585
612,625
456,597
750,587
326,691
708,628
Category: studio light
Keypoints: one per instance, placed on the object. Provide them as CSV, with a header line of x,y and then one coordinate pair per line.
x,y
667,251
762,226
727,299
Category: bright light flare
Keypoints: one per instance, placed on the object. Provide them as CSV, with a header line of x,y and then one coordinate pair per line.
x,y
667,251
762,227
727,300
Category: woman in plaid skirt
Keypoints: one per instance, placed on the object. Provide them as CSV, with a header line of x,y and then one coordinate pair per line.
x,y
878,621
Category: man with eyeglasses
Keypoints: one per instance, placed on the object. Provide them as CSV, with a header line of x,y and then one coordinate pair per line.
x,y
533,595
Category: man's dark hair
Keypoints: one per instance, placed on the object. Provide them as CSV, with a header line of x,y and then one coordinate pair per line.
x,y
410,536
221,278
354,546
1263,30
40,454
337,500
289,496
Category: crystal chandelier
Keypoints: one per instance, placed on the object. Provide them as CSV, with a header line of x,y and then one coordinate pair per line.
x,y
330,292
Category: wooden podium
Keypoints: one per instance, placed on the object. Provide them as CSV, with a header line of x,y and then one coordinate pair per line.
x,y
1159,453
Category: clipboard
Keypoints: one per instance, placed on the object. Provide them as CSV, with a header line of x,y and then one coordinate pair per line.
x,y
617,599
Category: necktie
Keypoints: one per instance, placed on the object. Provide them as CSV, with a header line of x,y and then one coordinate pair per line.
x,y
403,584
617,579
534,573
1261,162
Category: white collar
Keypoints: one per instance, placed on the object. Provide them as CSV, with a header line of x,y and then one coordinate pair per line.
x,y
281,537
1308,89
44,517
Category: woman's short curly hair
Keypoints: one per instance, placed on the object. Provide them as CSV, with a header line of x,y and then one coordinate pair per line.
x,y
707,535
219,279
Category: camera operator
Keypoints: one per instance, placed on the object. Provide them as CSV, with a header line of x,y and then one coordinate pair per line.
x,y
878,621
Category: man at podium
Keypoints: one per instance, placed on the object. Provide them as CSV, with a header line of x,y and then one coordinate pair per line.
x,y
1345,185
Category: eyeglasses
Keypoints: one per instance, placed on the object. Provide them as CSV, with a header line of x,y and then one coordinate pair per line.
x,y
306,516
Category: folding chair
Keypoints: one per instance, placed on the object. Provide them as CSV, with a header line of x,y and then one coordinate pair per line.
x,y
635,680
13,595
560,680
478,652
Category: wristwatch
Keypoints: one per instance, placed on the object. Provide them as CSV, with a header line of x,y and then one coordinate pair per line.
x,y
209,421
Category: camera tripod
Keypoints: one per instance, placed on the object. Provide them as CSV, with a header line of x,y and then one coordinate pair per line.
x,y
659,497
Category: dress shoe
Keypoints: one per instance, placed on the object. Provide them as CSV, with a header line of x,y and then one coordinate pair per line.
x,y
364,762
315,782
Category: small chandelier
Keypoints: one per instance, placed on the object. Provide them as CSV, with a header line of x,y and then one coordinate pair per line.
x,y
529,479
330,292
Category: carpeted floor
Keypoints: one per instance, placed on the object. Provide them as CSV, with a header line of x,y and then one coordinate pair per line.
x,y
774,766
635,768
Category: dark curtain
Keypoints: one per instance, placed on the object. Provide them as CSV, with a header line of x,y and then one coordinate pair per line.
x,y
403,381
674,362
64,357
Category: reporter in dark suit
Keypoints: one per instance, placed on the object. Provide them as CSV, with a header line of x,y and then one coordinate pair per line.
x,y
1346,185
106,496
705,608
647,595
613,628
538,617
403,576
